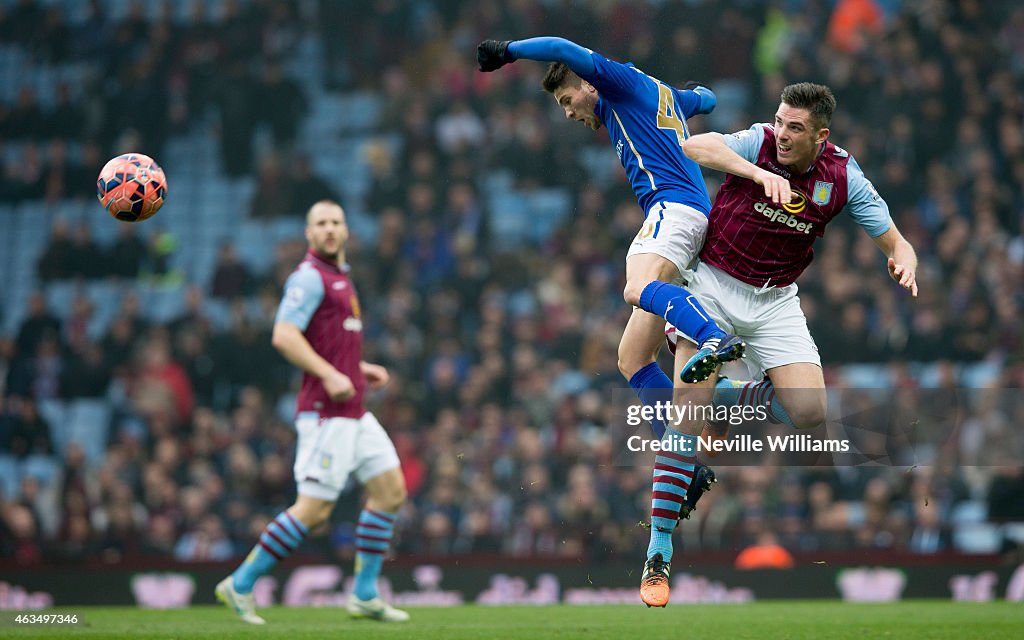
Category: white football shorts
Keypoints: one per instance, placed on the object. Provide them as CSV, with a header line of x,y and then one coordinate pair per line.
x,y
770,321
673,231
330,450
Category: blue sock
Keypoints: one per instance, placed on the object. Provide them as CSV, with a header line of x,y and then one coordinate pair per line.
x,y
681,309
673,471
652,385
747,393
373,536
279,539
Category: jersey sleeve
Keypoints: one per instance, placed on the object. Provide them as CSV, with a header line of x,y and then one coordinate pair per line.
x,y
611,78
864,204
697,101
303,292
746,143
561,50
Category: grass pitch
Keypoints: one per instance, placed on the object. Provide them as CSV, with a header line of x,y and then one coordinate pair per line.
x,y
758,621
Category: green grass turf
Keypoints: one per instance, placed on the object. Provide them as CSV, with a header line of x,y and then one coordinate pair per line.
x,y
760,621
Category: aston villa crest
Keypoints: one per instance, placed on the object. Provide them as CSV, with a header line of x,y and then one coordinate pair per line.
x,y
822,194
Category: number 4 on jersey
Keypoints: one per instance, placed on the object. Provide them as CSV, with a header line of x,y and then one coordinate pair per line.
x,y
668,117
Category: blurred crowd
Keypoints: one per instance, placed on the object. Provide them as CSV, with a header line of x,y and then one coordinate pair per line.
x,y
502,358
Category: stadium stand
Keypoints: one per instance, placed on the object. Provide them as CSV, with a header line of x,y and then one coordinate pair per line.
x,y
475,301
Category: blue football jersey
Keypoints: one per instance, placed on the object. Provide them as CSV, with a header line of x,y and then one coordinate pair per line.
x,y
646,121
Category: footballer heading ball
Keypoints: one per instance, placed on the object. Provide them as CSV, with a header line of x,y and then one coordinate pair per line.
x,y
132,187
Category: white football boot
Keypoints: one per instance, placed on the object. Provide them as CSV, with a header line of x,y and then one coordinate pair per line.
x,y
241,603
375,609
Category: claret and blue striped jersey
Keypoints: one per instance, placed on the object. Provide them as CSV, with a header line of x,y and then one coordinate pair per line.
x,y
769,245
320,299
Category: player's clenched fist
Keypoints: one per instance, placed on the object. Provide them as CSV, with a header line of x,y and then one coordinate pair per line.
x,y
376,375
493,54
339,387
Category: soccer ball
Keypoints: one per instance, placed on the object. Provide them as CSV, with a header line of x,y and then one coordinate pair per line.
x,y
132,187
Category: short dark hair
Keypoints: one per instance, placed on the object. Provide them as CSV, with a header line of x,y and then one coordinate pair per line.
x,y
559,75
816,98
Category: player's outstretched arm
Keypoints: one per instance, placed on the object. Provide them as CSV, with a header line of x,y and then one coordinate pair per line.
x,y
709,150
494,54
292,344
902,260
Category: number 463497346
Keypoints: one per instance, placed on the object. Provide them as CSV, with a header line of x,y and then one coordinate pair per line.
x,y
46,618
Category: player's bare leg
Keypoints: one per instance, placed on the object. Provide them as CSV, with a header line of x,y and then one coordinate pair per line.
x,y
800,387
650,285
791,395
640,343
311,511
386,494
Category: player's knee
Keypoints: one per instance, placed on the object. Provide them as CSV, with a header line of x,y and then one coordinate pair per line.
x,y
626,368
389,496
808,415
393,499
631,294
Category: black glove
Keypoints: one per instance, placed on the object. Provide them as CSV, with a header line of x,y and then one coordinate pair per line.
x,y
493,54
691,85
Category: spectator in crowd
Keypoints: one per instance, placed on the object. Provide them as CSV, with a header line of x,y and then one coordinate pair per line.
x,y
766,553
307,185
55,261
273,196
126,256
230,276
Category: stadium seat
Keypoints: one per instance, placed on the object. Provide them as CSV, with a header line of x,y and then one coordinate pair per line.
x,y
287,229
977,537
59,296
254,245
969,511
105,296
498,180
361,111
46,469
548,209
518,217
930,375
362,224
162,304
601,166
89,424
979,375
9,479
286,407
509,225
1014,531
15,310
867,376
55,413
219,313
